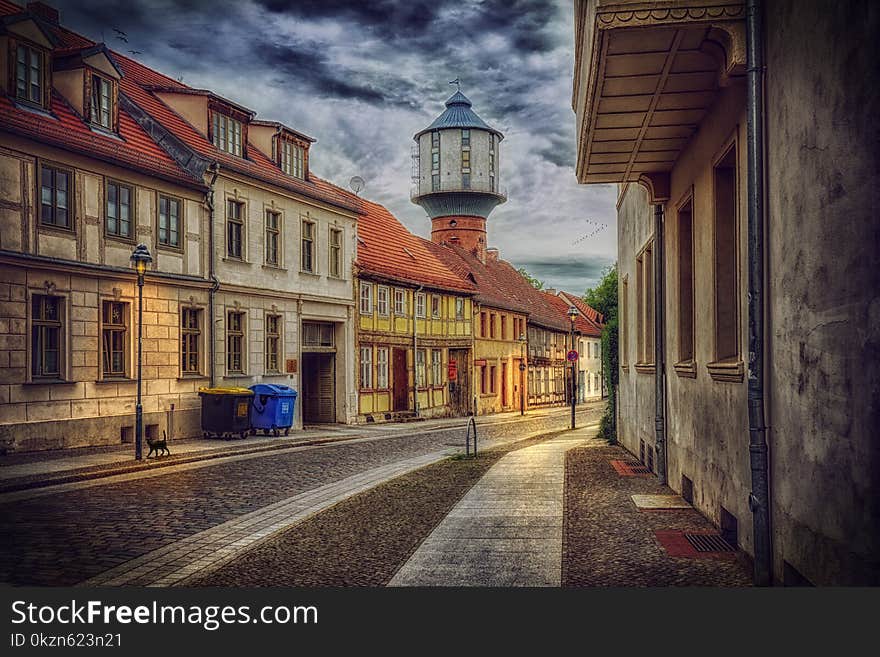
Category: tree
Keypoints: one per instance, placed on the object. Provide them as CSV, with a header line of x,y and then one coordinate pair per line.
x,y
603,298
534,282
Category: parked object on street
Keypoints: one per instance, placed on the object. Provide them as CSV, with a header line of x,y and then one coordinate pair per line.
x,y
226,412
272,408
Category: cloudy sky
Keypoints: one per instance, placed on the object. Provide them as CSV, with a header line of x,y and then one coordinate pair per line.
x,y
362,76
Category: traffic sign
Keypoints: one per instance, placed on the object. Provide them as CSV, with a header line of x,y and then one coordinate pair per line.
x,y
572,356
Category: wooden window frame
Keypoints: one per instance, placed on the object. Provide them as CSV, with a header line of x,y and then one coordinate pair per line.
x,y
272,234
132,210
308,245
44,85
190,336
42,324
421,369
239,221
421,301
71,205
645,301
727,367
220,124
95,114
437,368
334,252
180,222
685,365
436,309
114,329
273,335
240,333
459,308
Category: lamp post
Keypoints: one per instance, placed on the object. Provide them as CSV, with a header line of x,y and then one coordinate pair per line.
x,y
140,258
522,373
572,315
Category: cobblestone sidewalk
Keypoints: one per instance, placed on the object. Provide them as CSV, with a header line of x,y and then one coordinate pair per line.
x,y
609,542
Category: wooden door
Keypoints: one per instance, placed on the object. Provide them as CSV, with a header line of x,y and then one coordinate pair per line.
x,y
400,382
319,388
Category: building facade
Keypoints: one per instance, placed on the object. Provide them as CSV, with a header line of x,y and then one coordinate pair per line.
x,y
414,327
664,103
590,379
251,276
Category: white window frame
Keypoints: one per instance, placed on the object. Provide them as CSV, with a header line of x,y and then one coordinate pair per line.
x,y
382,300
400,309
366,298
382,368
366,368
421,301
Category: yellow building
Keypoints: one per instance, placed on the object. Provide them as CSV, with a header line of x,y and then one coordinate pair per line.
x,y
414,327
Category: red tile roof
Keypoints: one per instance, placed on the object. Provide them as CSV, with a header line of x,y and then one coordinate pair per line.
x,y
591,314
501,286
139,150
560,306
388,250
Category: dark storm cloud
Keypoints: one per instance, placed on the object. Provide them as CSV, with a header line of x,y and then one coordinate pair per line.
x,y
363,76
571,275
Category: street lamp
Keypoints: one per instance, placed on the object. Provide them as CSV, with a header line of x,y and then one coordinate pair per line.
x,y
522,371
572,315
140,258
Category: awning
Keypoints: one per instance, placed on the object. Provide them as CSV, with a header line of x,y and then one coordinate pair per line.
x,y
645,74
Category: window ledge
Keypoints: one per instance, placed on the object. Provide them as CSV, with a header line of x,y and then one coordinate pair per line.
x,y
177,250
192,377
119,238
49,382
117,379
726,371
239,261
310,273
238,376
67,231
644,368
274,267
686,369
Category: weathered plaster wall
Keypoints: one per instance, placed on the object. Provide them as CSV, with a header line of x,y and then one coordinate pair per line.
x,y
824,288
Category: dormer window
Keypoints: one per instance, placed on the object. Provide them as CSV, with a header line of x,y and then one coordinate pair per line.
x,y
227,134
102,102
29,73
293,159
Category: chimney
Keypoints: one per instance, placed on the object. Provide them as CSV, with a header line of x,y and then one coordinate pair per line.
x,y
550,290
492,254
44,11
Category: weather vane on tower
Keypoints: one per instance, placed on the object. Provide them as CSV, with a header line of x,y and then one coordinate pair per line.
x,y
457,83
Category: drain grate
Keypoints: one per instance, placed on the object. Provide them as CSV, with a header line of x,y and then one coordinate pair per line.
x,y
630,468
709,543
637,468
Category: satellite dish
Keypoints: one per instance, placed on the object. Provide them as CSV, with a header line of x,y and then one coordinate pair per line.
x,y
357,184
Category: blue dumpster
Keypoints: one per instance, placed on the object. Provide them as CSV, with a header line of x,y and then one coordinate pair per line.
x,y
272,408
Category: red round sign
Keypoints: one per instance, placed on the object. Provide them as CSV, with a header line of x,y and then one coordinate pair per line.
x,y
572,356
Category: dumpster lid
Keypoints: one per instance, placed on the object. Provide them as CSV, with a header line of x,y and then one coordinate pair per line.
x,y
273,389
225,391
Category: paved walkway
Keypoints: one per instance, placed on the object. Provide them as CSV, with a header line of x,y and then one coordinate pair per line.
x,y
507,530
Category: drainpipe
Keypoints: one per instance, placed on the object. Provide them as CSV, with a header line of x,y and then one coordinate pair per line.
x,y
659,347
415,351
759,499
209,201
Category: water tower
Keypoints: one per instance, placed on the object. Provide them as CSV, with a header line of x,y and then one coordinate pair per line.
x,y
456,175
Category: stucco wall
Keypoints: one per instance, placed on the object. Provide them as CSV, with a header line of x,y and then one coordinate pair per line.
x,y
824,288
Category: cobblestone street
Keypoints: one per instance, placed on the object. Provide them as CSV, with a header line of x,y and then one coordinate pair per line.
x,y
67,537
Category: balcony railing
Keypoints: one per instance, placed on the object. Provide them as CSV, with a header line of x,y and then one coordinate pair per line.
x,y
417,190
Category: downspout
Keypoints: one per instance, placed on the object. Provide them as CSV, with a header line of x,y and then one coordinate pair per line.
x,y
215,283
659,347
759,499
415,350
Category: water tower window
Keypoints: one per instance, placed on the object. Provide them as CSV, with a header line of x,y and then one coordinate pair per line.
x,y
435,139
435,161
465,181
466,161
435,182
465,138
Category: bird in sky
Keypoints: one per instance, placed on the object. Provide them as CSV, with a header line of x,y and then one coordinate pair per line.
x,y
122,38
135,52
